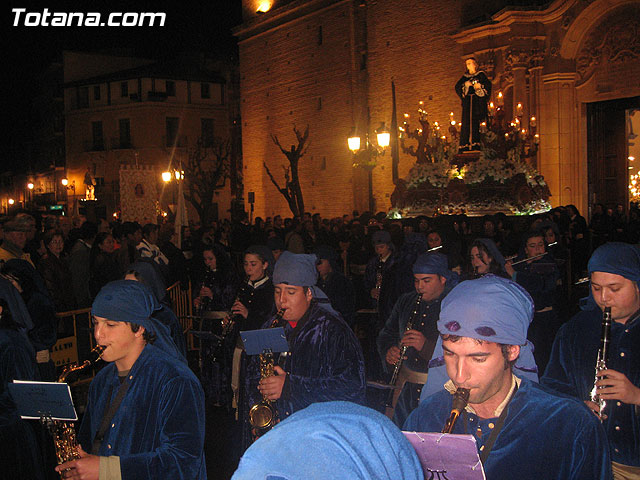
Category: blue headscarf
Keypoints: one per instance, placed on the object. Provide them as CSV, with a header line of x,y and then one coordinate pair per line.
x,y
331,440
492,248
490,308
613,257
435,263
299,269
133,302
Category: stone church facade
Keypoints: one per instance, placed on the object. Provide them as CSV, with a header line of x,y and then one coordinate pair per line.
x,y
329,64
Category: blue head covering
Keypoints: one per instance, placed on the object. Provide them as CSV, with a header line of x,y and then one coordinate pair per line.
x,y
131,301
380,237
265,253
151,277
300,270
613,257
492,248
331,440
435,263
490,308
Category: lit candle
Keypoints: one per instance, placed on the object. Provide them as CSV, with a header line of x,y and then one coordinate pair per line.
x,y
533,122
500,99
519,109
492,109
483,127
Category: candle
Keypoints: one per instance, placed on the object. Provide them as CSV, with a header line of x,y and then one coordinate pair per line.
x,y
519,109
500,99
532,121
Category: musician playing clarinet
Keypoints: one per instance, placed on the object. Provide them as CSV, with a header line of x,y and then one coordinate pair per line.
x,y
432,281
522,430
614,271
538,273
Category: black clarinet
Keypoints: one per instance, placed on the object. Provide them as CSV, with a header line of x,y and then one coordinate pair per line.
x,y
398,365
460,400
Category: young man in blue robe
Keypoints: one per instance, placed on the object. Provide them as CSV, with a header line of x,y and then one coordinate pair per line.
x,y
432,281
522,430
325,360
145,414
614,270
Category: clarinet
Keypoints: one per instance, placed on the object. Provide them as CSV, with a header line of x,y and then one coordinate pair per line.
x,y
460,400
403,351
230,320
601,362
379,281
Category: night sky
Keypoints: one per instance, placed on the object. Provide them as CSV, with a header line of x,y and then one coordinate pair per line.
x,y
190,26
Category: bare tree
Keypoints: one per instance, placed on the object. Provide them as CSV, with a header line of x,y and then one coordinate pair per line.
x,y
291,191
206,170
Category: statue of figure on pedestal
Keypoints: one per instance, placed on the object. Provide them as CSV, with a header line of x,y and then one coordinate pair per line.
x,y
474,89
90,184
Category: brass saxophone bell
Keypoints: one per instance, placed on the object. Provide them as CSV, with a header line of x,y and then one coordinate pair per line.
x,y
262,415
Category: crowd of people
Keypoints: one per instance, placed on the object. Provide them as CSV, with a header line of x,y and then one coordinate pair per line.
x,y
437,304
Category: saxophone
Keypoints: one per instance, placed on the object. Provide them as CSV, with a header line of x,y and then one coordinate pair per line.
x,y
398,365
63,432
264,414
601,362
460,400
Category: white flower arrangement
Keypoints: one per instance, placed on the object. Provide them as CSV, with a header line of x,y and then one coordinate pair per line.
x,y
437,174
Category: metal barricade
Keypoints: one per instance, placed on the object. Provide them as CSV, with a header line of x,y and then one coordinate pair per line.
x,y
182,305
75,337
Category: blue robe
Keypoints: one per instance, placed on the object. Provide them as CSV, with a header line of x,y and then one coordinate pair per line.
x,y
571,370
544,436
392,333
341,295
325,363
159,427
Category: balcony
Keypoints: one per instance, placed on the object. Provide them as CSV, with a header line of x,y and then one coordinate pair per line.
x,y
179,141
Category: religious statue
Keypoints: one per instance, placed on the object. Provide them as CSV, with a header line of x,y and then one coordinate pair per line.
x,y
474,89
90,185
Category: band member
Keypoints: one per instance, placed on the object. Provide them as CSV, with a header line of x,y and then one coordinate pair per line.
x,y
432,281
335,284
339,440
381,276
325,358
539,275
521,429
486,258
145,414
614,270
474,90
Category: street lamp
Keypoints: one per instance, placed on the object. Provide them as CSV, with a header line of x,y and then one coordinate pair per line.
x,y
365,156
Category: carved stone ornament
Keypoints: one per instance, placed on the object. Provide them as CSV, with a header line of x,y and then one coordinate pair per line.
x,y
616,40
487,63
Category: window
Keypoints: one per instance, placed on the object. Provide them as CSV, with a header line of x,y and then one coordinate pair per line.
x,y
205,90
171,88
124,127
173,124
206,131
98,140
124,89
83,97
96,92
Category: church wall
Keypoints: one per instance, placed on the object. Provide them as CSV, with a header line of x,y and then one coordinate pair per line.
x,y
299,74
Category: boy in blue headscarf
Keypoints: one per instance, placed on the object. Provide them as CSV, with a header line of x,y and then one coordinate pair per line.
x,y
325,358
145,414
614,270
432,281
521,429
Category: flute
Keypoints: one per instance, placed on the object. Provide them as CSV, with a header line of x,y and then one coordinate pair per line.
x,y
530,258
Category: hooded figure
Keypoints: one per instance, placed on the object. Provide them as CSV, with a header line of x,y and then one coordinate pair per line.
x,y
145,413
332,440
324,361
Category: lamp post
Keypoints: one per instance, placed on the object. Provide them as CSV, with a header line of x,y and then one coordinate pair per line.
x,y
364,156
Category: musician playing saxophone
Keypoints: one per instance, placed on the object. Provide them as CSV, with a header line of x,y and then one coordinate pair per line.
x,y
432,280
325,359
145,413
521,429
614,271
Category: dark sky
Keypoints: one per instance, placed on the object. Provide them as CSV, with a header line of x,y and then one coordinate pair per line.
x,y
190,26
